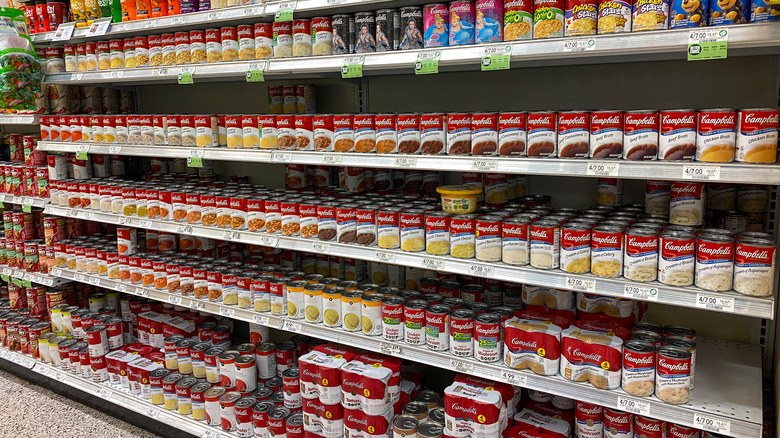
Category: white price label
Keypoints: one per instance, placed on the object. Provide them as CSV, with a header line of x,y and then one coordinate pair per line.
x,y
99,27
253,11
702,173
405,162
19,275
117,74
227,312
151,23
639,292
176,301
122,27
712,424
145,224
269,240
281,157
231,235
603,169
64,31
197,305
78,277
41,369
7,271
258,66
141,292
211,434
181,19
517,379
159,72
334,2
384,257
721,303
391,349
56,272
215,16
291,326
699,36
196,153
188,70
432,264
84,147
484,165
94,281
72,213
260,319
58,376
152,412
105,393
124,220
332,158
320,247
481,271
121,287
3,353
17,200
462,366
77,76
633,405
89,215
114,149
183,229
46,281
581,284
579,45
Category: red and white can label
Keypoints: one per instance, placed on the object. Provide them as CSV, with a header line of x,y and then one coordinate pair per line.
x,y
512,135
677,140
754,268
573,134
676,260
757,135
542,134
589,421
545,246
716,136
640,136
606,134
607,253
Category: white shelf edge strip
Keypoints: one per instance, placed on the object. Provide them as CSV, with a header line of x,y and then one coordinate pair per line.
x,y
669,44
710,387
113,394
19,119
46,280
668,170
32,201
678,296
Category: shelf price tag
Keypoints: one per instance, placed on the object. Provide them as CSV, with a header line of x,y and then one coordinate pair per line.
x,y
56,272
721,303
405,162
183,229
291,326
579,45
185,78
197,305
117,74
260,319
145,224
216,15
78,277
27,208
281,157
195,158
603,169
115,150
391,349
633,405
320,248
64,31
427,62
82,154
105,393
125,220
211,434
94,281
712,424
269,240
702,173
432,264
255,72
2,205
707,44
462,366
639,292
16,200
484,165
121,287
517,379
285,11
581,284
227,312
332,158
384,257
496,57
152,412
173,299
481,271
231,235
99,27
352,67
5,278
141,292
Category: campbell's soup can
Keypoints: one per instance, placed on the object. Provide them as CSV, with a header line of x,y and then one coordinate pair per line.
x,y
754,266
408,133
677,139
678,431
618,424
323,132
302,37
714,266
484,134
573,134
393,318
640,136
322,36
386,133
640,260
433,134
581,17
676,258
607,251
575,247
716,135
638,368
588,420
687,202
462,333
518,20
542,134
414,322
437,327
545,236
487,337
673,374
282,39
548,18
512,135
757,135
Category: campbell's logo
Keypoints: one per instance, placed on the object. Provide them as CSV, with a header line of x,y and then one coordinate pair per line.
x,y
520,343
365,216
605,240
488,329
431,123
460,8
392,310
462,327
621,418
493,229
707,119
357,420
364,122
483,121
571,120
669,119
461,226
308,373
670,366
654,426
513,120
515,230
757,254
539,234
642,243
407,123
541,120
309,210
436,223
679,432
458,121
649,120
343,123
576,237
594,411
299,27
639,360
515,3
678,248
435,319
582,355
771,120
411,220
686,189
724,250
457,407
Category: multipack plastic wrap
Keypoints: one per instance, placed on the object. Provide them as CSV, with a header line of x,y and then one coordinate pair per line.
x,y
20,71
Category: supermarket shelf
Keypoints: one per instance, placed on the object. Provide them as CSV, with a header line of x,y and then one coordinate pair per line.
x,y
721,367
653,292
754,39
116,395
248,13
19,119
669,170
32,201
33,277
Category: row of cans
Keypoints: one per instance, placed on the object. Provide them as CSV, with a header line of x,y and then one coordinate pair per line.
x,y
74,99
592,420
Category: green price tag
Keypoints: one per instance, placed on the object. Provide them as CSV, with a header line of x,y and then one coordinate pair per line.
x,y
254,76
27,208
496,58
17,282
81,155
5,278
707,44
283,15
427,62
185,78
2,205
352,67
194,162
27,283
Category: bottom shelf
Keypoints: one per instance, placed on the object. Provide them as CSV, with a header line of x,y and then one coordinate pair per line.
x,y
116,395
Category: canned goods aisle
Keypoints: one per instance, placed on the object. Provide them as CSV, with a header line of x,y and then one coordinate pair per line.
x,y
728,302
722,368
627,169
103,392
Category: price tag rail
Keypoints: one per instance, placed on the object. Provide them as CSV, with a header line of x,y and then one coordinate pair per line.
x,y
110,393
721,367
729,172
678,296
19,119
33,201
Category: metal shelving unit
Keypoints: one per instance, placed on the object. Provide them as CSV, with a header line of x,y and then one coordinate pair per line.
x,y
754,39
655,292
33,277
32,201
116,395
721,367
669,170
19,119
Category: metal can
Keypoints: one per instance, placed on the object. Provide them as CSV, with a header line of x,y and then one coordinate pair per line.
x,y
487,337
437,327
542,133
575,248
411,229
677,141
574,132
581,17
393,318
432,134
184,399
282,39
412,25
463,236
673,374
322,36
687,202
227,368
292,389
211,401
545,236
227,410
97,338
312,302
754,266
371,319
640,136
716,135
365,35
639,367
640,258
614,16
548,18
588,419
408,128
458,133
462,332
512,135
617,424
414,321
757,135
676,259
351,310
343,29
246,373
607,251
388,29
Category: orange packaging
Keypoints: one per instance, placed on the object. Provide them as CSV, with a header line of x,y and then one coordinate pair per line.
x,y
142,9
174,7
128,10
159,8
127,241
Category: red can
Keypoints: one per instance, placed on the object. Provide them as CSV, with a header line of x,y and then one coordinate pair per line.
x,y
386,133
346,223
677,137
619,423
542,134
364,132
304,132
484,134
649,427
229,38
291,385
432,134
437,327
716,135
640,136
462,333
285,356
573,134
408,133
458,134
393,318
588,419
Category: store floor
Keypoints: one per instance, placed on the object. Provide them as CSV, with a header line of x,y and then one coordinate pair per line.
x,y
30,410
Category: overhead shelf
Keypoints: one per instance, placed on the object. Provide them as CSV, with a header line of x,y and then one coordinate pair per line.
x,y
668,170
32,277
19,119
728,375
753,39
728,302
115,395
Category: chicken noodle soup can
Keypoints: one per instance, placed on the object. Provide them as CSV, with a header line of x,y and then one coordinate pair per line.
x,y
581,17
548,18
